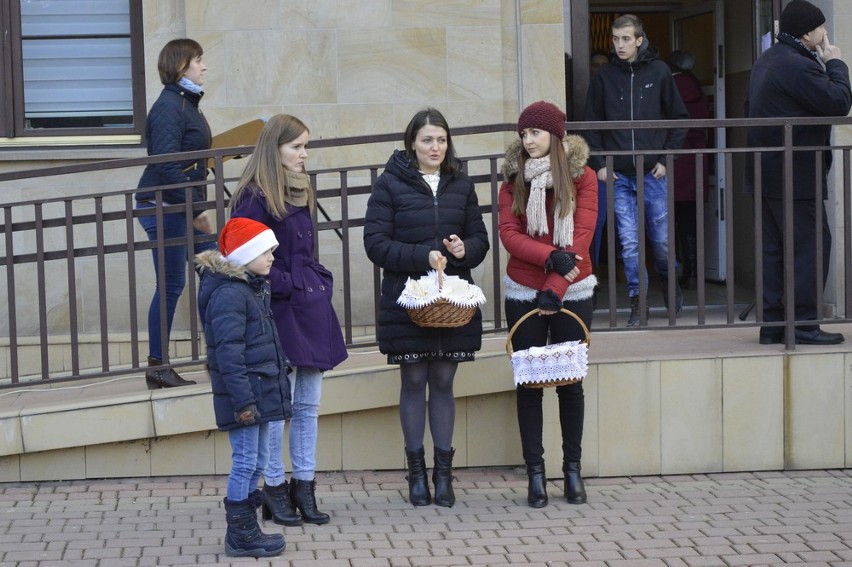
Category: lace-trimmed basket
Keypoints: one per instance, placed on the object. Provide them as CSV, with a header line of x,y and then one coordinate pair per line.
x,y
551,365
436,310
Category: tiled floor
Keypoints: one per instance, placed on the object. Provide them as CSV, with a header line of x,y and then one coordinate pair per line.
x,y
766,518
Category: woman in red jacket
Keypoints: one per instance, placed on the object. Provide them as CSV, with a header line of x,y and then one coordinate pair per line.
x,y
548,208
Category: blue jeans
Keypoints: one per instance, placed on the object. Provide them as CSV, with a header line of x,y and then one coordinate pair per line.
x,y
306,389
656,226
174,226
249,455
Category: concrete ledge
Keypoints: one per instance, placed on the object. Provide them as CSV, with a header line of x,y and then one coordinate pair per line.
x,y
657,402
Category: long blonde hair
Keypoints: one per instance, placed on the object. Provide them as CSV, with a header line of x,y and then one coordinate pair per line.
x,y
264,168
564,191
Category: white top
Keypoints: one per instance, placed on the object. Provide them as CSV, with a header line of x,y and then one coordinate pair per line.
x,y
432,179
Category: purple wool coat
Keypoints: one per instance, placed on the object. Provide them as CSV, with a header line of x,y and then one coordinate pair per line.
x,y
301,287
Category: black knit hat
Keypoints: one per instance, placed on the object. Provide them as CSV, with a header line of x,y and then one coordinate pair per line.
x,y
799,17
544,116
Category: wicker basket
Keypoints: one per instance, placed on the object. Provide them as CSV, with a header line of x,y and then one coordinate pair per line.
x,y
442,313
550,383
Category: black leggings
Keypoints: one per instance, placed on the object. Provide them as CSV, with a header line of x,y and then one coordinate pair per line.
x,y
438,375
535,332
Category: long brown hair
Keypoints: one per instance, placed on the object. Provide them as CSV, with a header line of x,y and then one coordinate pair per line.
x,y
564,191
264,167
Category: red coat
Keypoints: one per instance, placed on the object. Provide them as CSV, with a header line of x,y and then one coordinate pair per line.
x,y
698,107
528,254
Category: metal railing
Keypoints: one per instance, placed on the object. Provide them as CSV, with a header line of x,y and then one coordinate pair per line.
x,y
74,275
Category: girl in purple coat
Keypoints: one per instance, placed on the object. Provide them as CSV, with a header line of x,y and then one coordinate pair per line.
x,y
275,190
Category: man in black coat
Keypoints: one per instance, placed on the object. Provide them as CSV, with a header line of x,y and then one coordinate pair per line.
x,y
801,75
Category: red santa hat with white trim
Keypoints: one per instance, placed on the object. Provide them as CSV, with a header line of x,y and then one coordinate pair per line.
x,y
242,240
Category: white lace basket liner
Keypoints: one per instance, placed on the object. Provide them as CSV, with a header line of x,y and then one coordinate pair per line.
x,y
436,300
551,365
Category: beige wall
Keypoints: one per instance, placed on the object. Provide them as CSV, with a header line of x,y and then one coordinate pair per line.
x,y
751,410
346,67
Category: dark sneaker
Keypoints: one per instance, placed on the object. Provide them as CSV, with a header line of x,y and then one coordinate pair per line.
x,y
633,319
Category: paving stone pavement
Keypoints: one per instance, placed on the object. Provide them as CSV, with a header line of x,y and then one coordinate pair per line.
x,y
732,520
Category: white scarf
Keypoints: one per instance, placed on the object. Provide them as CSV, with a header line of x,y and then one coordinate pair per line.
x,y
537,174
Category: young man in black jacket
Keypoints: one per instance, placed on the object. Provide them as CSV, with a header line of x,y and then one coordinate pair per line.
x,y
636,86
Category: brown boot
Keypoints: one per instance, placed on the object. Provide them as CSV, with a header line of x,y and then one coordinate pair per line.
x,y
166,378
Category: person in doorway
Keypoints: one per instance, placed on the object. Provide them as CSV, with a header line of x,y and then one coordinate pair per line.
x,y
598,60
548,206
801,75
423,211
685,188
275,189
248,377
175,124
636,85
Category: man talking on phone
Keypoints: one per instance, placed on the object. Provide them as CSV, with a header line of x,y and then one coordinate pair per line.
x,y
801,75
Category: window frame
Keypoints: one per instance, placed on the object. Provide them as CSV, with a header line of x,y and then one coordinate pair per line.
x,y
12,119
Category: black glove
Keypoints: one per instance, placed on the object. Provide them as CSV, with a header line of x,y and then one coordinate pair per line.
x,y
561,262
248,415
547,300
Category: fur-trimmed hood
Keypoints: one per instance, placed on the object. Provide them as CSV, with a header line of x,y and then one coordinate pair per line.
x,y
213,261
576,149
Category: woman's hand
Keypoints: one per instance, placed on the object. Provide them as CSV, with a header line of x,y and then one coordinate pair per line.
x,y
455,246
202,223
572,275
436,260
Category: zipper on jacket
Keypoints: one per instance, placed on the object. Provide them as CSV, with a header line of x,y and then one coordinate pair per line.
x,y
437,219
437,244
632,131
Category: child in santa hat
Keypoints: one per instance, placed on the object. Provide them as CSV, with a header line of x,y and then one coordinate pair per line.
x,y
248,371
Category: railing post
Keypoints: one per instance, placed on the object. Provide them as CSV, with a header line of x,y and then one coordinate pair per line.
x,y
789,239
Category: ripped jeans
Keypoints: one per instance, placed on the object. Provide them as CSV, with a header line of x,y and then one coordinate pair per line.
x,y
656,226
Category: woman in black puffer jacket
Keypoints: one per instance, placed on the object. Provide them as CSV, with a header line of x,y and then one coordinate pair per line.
x,y
424,209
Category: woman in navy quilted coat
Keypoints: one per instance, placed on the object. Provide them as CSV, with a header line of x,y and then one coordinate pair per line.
x,y
175,124
423,210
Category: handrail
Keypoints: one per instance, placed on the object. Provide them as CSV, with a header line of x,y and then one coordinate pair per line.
x,y
49,243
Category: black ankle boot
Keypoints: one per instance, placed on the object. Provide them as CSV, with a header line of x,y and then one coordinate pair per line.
x,y
278,507
442,477
575,491
167,378
243,537
537,488
303,495
418,486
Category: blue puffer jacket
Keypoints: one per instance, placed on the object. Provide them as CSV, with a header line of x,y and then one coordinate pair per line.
x,y
404,222
175,124
244,356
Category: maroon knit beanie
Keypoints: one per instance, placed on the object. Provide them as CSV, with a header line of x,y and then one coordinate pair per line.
x,y
544,116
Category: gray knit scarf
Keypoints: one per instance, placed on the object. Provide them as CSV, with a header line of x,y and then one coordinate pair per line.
x,y
537,174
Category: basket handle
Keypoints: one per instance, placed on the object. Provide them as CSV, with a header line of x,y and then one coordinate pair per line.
x,y
442,262
535,311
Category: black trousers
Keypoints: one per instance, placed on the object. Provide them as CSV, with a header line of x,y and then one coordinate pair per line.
x,y
805,254
539,331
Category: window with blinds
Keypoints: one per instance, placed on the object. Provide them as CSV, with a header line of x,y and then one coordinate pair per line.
x,y
76,67
76,63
